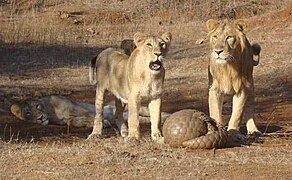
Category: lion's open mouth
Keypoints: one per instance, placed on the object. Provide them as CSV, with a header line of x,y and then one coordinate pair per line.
x,y
43,120
155,66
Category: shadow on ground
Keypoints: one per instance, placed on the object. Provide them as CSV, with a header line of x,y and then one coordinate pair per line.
x,y
22,58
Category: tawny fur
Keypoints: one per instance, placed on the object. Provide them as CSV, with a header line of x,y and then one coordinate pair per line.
x,y
231,71
132,81
55,110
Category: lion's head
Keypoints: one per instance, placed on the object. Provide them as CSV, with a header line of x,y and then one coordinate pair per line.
x,y
30,111
232,56
128,46
227,40
153,49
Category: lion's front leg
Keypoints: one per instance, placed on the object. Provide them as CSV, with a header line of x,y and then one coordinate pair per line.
x,y
155,117
98,119
120,122
133,121
215,105
238,103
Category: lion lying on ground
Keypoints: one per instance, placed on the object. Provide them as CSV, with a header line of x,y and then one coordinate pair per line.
x,y
230,72
60,110
180,127
132,79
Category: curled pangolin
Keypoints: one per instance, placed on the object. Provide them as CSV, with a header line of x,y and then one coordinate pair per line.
x,y
193,129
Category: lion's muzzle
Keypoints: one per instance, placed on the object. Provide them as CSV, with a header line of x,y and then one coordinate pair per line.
x,y
221,58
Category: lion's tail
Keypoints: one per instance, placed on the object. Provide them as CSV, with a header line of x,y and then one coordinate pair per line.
x,y
92,71
256,49
215,139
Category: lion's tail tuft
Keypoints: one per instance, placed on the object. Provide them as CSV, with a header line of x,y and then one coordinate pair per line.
x,y
256,49
92,71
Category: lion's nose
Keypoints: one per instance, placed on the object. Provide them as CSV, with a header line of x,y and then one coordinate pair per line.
x,y
218,51
158,54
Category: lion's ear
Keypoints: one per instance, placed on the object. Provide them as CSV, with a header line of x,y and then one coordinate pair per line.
x,y
16,110
166,37
212,25
139,38
240,25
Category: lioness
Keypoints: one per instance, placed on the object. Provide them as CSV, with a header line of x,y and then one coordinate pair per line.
x,y
230,72
56,109
132,79
59,110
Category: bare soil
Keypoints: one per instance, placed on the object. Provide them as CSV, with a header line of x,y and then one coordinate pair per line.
x,y
45,49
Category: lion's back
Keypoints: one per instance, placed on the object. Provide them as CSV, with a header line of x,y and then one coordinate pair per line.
x,y
112,69
109,59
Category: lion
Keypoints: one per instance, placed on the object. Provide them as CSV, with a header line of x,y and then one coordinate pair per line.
x,y
133,79
56,109
231,72
59,110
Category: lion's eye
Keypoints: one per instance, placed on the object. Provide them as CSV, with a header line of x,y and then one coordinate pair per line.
x,y
28,113
162,44
229,38
215,37
149,44
38,106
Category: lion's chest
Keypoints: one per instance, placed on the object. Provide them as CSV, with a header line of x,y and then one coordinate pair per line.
x,y
151,90
226,80
225,85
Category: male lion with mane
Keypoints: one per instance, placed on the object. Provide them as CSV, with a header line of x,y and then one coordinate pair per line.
x,y
230,72
133,80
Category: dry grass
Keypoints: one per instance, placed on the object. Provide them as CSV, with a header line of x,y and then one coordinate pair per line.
x,y
103,159
55,22
45,46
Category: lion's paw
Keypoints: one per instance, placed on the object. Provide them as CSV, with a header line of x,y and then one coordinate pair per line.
x,y
159,140
255,134
157,137
134,134
124,131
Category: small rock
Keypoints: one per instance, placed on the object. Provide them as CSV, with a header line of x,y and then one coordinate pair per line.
x,y
91,31
64,15
78,21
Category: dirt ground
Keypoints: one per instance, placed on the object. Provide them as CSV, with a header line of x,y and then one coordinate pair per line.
x,y
45,49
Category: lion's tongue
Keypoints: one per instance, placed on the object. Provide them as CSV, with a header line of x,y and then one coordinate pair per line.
x,y
155,66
